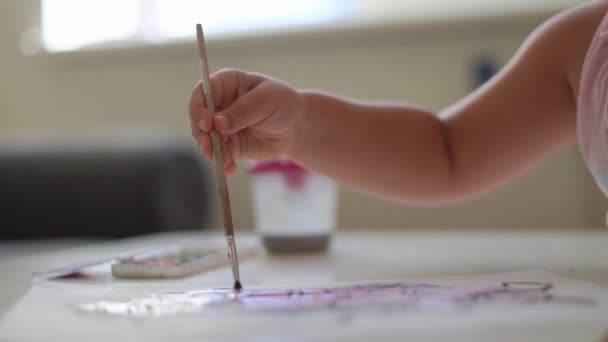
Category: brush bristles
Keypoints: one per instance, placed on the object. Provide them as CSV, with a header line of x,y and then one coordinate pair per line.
x,y
237,285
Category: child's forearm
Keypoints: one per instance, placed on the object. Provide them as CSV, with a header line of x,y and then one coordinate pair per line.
x,y
393,151
514,121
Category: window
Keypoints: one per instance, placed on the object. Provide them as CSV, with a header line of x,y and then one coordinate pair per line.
x,y
77,24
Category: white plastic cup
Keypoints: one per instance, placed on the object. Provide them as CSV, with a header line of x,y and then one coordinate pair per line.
x,y
294,209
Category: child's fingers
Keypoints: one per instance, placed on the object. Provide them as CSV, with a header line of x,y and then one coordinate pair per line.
x,y
207,148
205,145
231,91
226,153
203,122
197,99
231,168
226,86
234,83
246,111
200,116
203,140
232,147
197,134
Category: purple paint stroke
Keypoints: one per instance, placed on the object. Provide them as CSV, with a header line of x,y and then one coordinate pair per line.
x,y
401,297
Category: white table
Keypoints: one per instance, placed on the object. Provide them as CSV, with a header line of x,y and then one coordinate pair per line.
x,y
354,256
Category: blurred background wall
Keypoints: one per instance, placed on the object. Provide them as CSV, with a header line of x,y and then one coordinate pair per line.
x,y
425,60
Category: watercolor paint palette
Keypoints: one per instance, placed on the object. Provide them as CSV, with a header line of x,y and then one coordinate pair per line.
x,y
178,263
163,262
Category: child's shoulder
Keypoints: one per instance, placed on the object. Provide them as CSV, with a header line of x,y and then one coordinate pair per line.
x,y
565,38
587,20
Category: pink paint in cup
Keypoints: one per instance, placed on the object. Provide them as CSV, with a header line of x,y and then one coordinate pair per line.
x,y
294,209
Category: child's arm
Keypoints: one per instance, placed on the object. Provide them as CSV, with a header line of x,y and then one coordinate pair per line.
x,y
402,152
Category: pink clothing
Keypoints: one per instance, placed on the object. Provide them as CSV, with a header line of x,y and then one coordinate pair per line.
x,y
592,112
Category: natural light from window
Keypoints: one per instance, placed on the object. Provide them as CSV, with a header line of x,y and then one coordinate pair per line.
x,y
76,24
69,25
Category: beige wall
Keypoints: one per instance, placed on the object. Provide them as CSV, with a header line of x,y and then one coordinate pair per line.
x,y
426,64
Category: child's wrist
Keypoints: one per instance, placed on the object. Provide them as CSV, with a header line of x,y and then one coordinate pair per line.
x,y
301,125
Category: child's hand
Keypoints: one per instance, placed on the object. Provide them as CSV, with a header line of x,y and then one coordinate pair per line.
x,y
255,116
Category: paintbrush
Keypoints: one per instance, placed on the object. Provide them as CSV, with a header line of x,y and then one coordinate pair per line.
x,y
218,160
